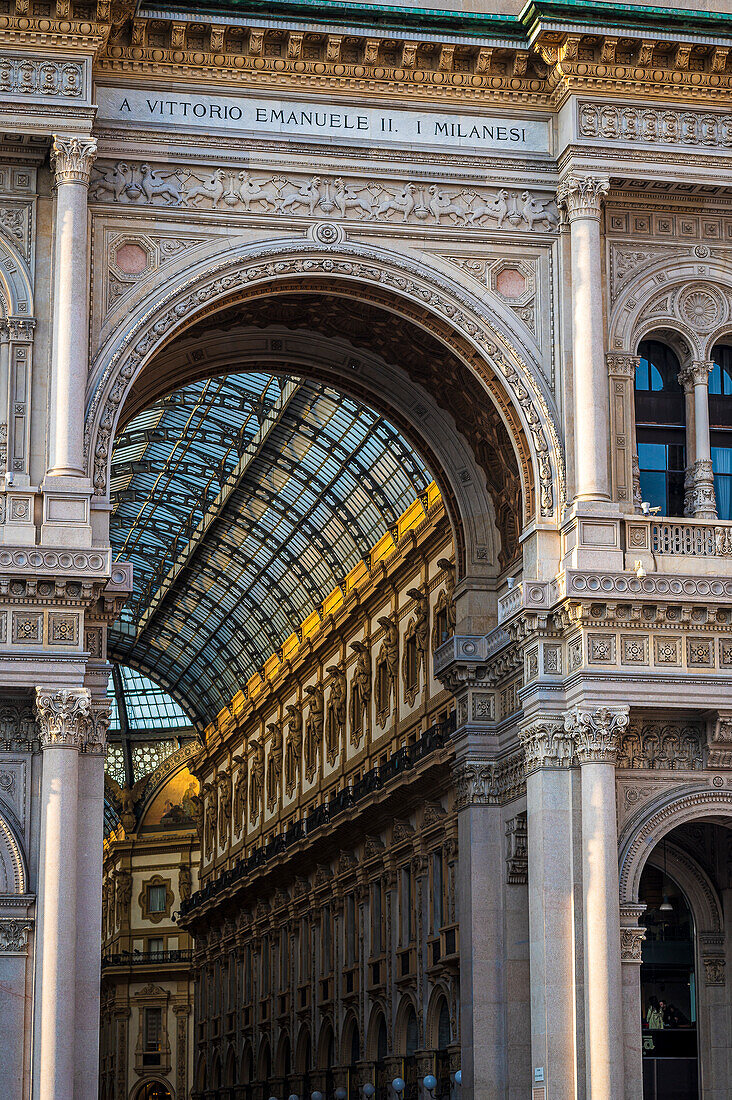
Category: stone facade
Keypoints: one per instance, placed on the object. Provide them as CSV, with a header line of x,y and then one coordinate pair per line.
x,y
485,227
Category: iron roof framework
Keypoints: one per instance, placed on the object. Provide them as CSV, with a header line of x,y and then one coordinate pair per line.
x,y
243,501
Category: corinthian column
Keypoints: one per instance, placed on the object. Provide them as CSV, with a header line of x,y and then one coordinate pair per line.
x,y
580,197
63,721
699,498
72,160
597,739
548,753
90,830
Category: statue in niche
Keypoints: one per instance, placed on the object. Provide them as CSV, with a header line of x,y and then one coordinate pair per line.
x,y
314,727
293,748
197,813
209,792
274,764
184,882
336,718
449,570
360,691
124,895
390,626
421,626
224,782
256,781
240,794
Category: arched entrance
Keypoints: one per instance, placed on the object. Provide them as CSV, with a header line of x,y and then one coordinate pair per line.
x,y
153,1090
675,875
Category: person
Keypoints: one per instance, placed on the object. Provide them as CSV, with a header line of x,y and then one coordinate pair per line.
x,y
654,1015
673,1018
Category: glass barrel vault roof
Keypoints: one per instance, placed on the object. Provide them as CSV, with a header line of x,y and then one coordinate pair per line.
x,y
243,501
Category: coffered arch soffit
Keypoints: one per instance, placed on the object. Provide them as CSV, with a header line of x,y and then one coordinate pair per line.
x,y
16,290
395,284
656,819
692,303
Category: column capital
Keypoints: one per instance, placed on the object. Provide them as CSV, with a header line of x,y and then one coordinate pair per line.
x,y
597,733
581,195
474,783
100,717
695,373
631,944
72,158
17,329
622,366
546,744
64,717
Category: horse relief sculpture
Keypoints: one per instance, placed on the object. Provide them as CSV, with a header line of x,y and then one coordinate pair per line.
x,y
224,190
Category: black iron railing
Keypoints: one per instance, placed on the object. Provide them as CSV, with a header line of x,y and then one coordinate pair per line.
x,y
143,958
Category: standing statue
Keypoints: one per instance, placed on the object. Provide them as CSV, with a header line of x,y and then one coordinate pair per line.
x,y
274,764
421,626
224,781
391,646
256,781
293,748
336,718
240,794
360,691
314,727
124,895
184,882
449,570
197,813
209,792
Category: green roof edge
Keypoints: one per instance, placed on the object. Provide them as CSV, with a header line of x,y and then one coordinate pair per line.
x,y
567,12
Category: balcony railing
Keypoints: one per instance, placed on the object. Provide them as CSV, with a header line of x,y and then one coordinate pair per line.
x,y
689,539
145,958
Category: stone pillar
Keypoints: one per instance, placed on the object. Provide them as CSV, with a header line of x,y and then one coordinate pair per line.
x,y
631,944
72,159
90,827
624,471
63,720
596,736
714,1014
580,196
480,907
699,498
548,751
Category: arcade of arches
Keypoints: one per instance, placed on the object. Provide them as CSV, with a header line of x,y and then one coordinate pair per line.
x,y
365,542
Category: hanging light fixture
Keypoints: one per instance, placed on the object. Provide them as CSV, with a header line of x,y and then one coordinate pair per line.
x,y
665,906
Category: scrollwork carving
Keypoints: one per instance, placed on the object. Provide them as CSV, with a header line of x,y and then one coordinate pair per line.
x,y
546,744
72,159
597,733
64,717
581,196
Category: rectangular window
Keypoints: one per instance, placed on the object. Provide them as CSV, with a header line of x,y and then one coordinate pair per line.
x,y
410,660
153,1029
406,904
722,468
156,899
350,912
248,975
156,946
265,967
437,892
662,476
382,688
441,626
377,940
326,940
284,961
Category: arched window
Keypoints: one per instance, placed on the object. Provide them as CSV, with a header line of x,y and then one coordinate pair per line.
x,y
720,424
412,1033
660,428
382,1046
443,1026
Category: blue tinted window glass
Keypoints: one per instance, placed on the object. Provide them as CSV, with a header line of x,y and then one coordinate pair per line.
x,y
652,456
653,489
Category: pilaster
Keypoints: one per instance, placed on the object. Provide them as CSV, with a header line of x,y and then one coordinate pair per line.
x,y
624,470
699,498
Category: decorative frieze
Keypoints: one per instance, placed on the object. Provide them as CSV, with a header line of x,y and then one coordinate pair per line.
x,y
714,970
720,743
41,77
517,854
64,716
349,198
655,126
488,782
658,745
597,733
14,932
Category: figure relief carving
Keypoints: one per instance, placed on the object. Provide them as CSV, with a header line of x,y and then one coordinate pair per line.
x,y
356,199
335,721
387,667
656,746
631,944
127,799
274,764
444,618
123,890
72,159
240,794
64,716
360,692
517,852
14,932
224,784
597,733
198,812
209,801
293,747
314,727
256,781
420,627
184,882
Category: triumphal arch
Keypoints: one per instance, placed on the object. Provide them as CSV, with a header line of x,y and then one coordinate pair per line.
x,y
366,379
